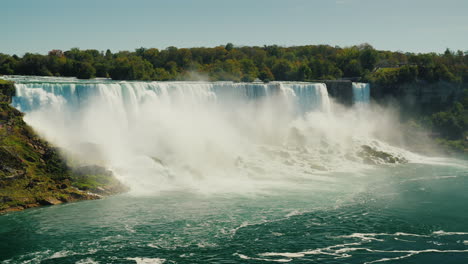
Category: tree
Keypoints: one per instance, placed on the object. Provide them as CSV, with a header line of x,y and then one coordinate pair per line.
x,y
132,68
407,74
108,54
304,73
266,75
246,63
368,58
84,70
451,123
33,64
353,69
56,53
229,46
8,64
249,70
282,70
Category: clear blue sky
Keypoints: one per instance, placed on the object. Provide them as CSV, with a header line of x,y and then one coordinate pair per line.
x,y
406,25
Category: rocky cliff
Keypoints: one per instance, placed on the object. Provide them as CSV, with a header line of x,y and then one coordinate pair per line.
x,y
32,173
341,91
420,96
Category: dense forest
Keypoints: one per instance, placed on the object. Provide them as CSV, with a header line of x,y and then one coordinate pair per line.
x,y
267,63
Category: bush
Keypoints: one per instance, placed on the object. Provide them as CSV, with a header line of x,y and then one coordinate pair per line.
x,y
7,91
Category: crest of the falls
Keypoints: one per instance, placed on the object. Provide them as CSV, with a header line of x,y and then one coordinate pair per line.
x,y
302,97
200,135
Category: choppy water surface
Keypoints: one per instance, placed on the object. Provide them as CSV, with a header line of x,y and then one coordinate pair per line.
x,y
415,213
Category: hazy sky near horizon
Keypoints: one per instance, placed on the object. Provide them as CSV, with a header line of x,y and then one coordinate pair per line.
x,y
405,25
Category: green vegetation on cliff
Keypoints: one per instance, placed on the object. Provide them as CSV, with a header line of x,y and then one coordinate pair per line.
x,y
32,172
447,126
7,91
452,125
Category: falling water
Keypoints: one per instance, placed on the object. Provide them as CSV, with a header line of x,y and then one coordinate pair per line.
x,y
159,134
361,93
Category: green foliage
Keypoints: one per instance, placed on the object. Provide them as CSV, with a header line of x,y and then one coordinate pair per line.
x,y
453,146
229,46
85,70
132,68
7,91
8,64
368,58
304,73
249,70
266,74
388,76
229,62
91,182
283,70
452,125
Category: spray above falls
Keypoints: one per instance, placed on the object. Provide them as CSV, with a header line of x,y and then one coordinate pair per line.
x,y
200,135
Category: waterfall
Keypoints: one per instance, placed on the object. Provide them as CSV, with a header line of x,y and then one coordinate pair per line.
x,y
128,96
361,93
209,136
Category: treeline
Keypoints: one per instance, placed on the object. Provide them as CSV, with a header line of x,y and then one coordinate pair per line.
x,y
267,63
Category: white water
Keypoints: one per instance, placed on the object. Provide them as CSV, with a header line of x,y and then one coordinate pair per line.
x,y
361,93
209,137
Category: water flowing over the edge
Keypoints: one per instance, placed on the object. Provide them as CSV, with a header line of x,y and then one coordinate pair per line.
x,y
304,96
202,135
361,93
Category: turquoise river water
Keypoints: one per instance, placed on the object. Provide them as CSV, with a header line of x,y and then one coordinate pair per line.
x,y
414,213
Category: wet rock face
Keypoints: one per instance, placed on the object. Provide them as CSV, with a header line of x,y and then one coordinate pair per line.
x,y
420,95
373,156
49,201
341,90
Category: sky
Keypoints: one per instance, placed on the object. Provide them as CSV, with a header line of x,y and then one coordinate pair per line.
x,y
398,25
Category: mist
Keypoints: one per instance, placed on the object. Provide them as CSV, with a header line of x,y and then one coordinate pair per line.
x,y
210,137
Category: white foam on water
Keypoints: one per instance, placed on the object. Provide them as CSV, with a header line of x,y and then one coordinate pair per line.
x,y
87,261
343,250
39,256
148,260
63,253
288,255
410,254
445,233
262,259
33,257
